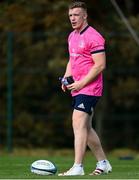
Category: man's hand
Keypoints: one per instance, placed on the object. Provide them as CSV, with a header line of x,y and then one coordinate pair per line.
x,y
63,87
76,86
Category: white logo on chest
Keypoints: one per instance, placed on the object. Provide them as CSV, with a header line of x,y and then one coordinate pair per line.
x,y
81,44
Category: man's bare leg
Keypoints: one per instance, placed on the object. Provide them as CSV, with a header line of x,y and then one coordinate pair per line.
x,y
94,143
80,121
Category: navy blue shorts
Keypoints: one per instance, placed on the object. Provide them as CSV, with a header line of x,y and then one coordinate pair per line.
x,y
85,103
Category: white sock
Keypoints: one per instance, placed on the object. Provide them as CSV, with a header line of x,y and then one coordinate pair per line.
x,y
104,160
77,165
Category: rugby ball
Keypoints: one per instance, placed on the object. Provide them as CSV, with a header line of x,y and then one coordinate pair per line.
x,y
43,167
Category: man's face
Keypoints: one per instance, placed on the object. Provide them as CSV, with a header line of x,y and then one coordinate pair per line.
x,y
77,18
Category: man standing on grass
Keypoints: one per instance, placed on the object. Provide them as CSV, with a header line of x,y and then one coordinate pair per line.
x,y
86,64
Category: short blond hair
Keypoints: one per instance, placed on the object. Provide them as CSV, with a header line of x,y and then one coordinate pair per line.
x,y
78,4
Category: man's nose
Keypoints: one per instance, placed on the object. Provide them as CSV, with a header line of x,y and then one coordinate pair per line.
x,y
72,18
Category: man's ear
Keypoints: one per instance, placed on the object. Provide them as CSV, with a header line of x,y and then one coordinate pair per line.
x,y
85,16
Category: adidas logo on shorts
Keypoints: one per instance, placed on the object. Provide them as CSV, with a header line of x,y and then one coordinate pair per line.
x,y
81,106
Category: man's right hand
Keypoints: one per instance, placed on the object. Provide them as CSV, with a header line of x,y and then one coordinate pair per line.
x,y
63,87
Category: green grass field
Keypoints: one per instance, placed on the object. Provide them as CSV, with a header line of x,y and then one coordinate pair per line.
x,y
17,166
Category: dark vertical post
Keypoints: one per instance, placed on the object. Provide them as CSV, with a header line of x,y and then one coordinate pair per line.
x,y
9,90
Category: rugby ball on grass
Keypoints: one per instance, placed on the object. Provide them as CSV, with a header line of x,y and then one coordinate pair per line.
x,y
43,167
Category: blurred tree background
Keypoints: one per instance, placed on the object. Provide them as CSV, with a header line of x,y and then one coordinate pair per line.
x,y
34,112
